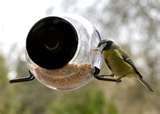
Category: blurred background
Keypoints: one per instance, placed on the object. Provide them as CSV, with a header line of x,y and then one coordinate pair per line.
x,y
133,24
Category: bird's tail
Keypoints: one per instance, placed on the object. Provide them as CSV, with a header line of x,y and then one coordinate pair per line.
x,y
140,79
143,82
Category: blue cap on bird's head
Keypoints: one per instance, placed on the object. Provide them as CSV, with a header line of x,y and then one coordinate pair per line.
x,y
105,44
52,42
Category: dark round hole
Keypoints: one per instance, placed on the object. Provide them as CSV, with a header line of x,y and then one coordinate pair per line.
x,y
52,42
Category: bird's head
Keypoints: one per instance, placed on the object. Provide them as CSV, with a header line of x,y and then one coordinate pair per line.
x,y
106,44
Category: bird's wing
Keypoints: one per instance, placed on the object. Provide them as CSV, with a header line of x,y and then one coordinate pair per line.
x,y
127,59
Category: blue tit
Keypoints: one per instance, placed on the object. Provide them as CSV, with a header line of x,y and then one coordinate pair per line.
x,y
120,64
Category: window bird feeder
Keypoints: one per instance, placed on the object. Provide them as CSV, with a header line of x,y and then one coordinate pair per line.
x,y
59,52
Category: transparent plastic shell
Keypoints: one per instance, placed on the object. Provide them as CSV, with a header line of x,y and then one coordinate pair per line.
x,y
78,71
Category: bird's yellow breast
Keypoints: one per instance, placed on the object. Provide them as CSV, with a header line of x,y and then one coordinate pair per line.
x,y
116,62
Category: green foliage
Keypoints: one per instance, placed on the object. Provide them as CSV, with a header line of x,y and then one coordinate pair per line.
x,y
34,98
111,107
89,100
3,70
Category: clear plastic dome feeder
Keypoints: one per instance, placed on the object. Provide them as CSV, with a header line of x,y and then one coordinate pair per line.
x,y
59,51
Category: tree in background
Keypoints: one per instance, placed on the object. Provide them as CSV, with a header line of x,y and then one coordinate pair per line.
x,y
134,24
